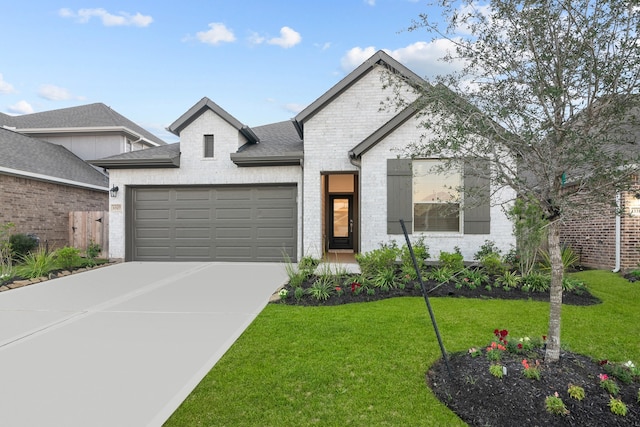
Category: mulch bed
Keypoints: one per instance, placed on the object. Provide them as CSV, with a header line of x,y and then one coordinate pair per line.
x,y
481,399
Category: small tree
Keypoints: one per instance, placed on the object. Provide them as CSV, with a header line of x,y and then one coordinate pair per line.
x,y
547,95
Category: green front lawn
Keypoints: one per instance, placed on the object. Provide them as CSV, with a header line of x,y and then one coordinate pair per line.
x,y
365,364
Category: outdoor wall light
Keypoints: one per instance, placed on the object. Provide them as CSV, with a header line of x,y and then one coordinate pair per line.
x,y
637,195
114,191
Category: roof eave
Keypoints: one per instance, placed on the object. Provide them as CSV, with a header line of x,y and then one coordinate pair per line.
x,y
88,129
381,133
173,162
291,159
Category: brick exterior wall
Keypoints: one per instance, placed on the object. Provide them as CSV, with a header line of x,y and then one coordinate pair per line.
x,y
42,208
593,235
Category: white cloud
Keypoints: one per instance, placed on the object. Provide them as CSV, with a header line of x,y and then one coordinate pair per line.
x,y
356,56
294,108
5,87
217,33
54,93
370,2
21,107
108,19
323,46
256,38
423,58
288,38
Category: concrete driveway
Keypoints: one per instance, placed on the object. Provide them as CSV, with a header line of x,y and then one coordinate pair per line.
x,y
122,345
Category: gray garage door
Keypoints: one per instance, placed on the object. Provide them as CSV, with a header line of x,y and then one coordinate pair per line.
x,y
221,223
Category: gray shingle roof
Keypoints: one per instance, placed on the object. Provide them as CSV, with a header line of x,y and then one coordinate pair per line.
x,y
22,153
279,145
155,157
83,116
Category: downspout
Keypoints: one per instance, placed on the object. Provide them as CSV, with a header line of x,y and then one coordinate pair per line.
x,y
618,237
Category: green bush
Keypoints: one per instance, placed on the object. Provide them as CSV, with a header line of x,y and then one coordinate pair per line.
x,y
67,257
488,248
93,250
321,289
536,282
420,250
492,264
378,259
509,280
451,260
385,279
569,259
22,244
36,264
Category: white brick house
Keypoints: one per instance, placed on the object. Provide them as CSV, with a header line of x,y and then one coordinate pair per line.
x,y
329,179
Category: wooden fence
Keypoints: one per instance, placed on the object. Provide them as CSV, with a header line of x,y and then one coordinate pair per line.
x,y
88,227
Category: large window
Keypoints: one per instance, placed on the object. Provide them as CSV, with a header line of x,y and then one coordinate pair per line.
x,y
436,197
208,146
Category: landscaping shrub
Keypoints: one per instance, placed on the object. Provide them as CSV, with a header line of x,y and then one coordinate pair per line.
x,y
488,248
536,282
22,244
378,259
569,259
36,264
452,260
492,264
67,257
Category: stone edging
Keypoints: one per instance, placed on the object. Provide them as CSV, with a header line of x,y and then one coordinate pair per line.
x,y
22,283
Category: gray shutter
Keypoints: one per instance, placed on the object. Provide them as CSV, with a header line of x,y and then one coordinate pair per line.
x,y
399,198
477,217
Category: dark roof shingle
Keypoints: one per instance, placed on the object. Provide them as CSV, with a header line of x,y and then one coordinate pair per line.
x,y
22,153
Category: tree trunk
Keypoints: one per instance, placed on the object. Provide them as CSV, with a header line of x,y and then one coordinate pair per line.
x,y
552,353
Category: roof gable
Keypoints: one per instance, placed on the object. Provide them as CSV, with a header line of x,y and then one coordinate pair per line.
x,y
206,104
379,58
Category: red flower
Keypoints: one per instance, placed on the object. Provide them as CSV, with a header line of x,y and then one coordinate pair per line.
x,y
504,333
544,338
338,288
603,362
496,332
354,286
520,345
525,363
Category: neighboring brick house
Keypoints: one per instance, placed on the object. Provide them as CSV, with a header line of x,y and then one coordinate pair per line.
x,y
41,182
332,179
604,238
38,195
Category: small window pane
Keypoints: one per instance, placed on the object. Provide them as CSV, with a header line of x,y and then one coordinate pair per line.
x,y
208,145
436,217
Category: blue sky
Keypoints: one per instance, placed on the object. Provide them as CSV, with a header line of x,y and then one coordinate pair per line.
x,y
262,61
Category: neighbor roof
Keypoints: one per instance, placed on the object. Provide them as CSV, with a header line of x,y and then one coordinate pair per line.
x,y
89,117
21,155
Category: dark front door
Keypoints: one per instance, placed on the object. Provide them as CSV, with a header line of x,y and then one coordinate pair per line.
x,y
340,222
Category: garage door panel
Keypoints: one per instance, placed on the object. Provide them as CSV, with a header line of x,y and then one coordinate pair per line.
x,y
225,223
234,233
153,214
193,233
188,214
233,213
153,195
153,233
222,194
193,195
274,233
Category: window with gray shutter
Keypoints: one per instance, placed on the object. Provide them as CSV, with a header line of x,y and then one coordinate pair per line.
x,y
476,217
208,146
